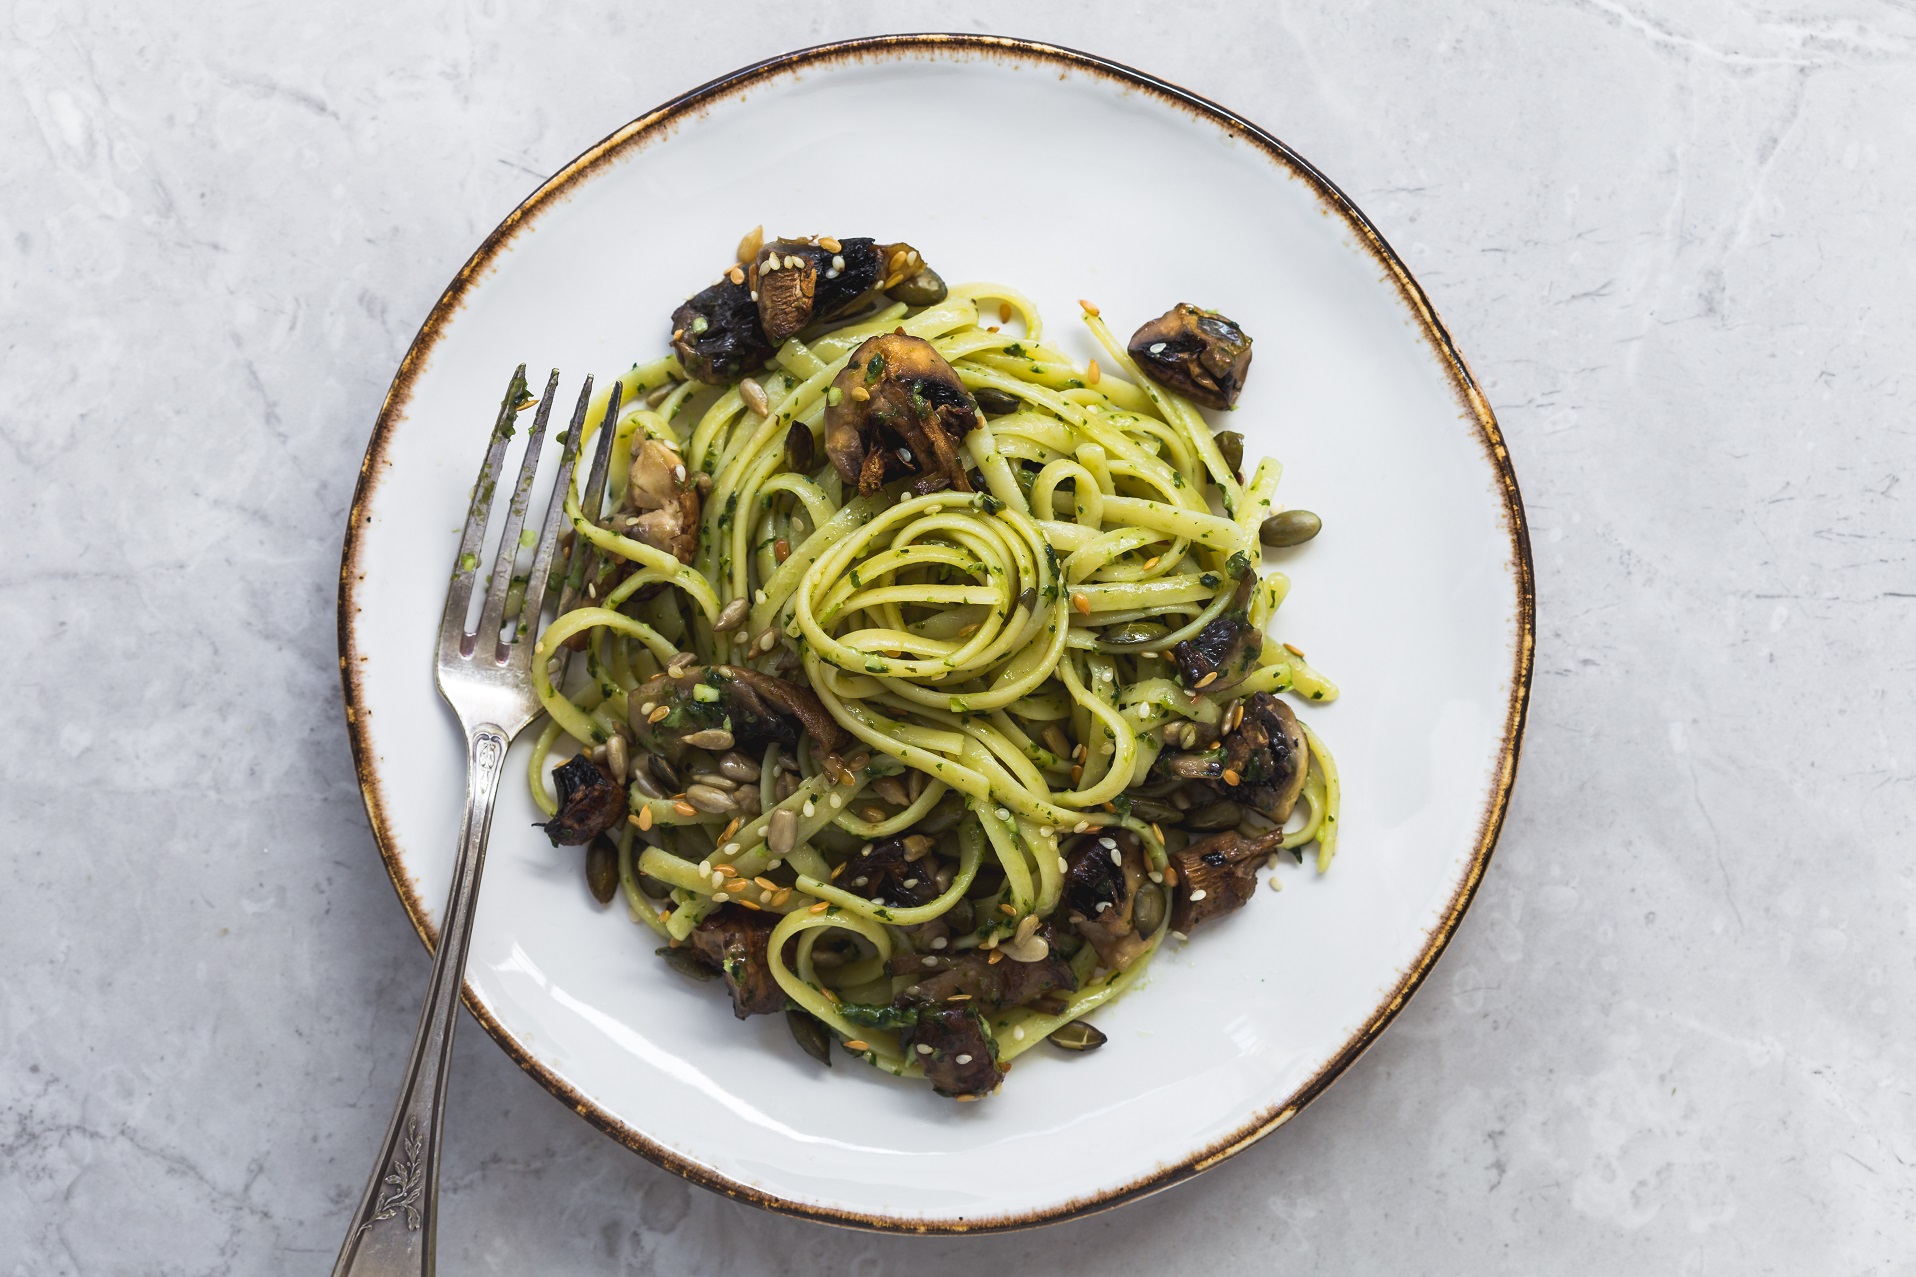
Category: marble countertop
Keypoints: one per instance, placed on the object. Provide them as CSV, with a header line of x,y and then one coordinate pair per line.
x,y
1675,242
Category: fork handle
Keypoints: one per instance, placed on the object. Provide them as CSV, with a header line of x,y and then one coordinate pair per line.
x,y
393,1229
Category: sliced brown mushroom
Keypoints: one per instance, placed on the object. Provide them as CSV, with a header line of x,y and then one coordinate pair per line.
x,y
589,803
1226,650
948,1040
900,411
899,872
664,501
717,336
1198,353
992,985
1217,875
801,282
1104,872
1268,755
736,941
721,707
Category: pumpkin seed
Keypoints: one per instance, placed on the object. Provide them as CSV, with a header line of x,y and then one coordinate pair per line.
x,y
996,402
640,774
1231,444
748,800
663,772
801,453
1078,1036
685,962
922,289
1148,910
602,869
1152,809
1291,527
1222,814
1135,633
811,1034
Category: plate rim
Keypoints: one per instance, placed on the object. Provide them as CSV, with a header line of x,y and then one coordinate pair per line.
x,y
689,105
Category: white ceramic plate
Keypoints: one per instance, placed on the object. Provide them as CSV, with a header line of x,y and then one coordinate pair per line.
x,y
1065,177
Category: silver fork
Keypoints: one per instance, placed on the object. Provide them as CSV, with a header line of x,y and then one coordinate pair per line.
x,y
486,677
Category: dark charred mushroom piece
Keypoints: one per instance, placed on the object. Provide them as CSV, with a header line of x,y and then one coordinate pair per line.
x,y
1198,353
717,336
752,709
991,985
950,1042
1269,756
1226,650
801,283
589,803
1100,892
1217,875
899,872
901,411
736,941
664,501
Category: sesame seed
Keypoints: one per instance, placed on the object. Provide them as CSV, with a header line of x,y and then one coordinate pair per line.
x,y
1207,680
837,802
1180,935
1081,826
855,1045
940,943
705,866
658,715
718,879
645,817
736,275
929,961
1293,649
1109,844
1277,883
1003,814
766,883
820,907
1102,906
1064,866
1198,895
837,871
719,897
1019,1033
923,1049
1082,603
997,956
1006,908
1004,312
866,850
685,809
861,881
910,883
808,808
1091,374
1156,876
1151,562
1117,857
1089,309
1157,348
964,1059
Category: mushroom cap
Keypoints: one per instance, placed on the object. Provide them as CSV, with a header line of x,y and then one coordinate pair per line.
x,y
666,501
901,411
1199,353
589,803
1216,875
716,334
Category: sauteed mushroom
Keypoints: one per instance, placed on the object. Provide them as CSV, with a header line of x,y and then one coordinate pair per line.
x,y
718,707
1198,353
1101,884
802,282
736,941
900,410
1225,650
665,501
1268,755
894,872
949,1041
716,334
589,803
1217,875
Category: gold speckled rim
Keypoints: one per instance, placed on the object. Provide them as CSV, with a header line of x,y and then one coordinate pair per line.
x,y
884,48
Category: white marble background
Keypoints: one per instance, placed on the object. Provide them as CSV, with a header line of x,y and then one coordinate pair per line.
x,y
1676,241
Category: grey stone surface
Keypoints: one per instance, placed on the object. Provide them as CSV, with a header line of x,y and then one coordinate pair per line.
x,y
1675,241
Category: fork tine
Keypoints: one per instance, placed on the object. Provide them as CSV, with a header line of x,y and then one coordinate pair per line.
x,y
585,555
493,618
465,568
537,582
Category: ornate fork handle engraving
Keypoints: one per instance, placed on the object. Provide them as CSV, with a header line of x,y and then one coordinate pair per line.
x,y
404,1182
